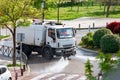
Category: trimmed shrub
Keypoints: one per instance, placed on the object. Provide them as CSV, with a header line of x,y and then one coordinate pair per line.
x,y
114,27
87,40
90,34
110,43
99,34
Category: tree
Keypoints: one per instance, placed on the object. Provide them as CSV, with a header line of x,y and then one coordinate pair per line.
x,y
11,12
48,3
88,71
106,62
107,5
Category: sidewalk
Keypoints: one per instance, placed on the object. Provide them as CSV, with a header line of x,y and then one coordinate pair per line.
x,y
27,75
86,22
16,74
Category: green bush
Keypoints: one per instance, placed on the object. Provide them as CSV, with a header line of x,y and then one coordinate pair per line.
x,y
99,34
11,65
110,43
87,40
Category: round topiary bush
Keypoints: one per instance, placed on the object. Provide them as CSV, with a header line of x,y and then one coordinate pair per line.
x,y
99,34
87,40
110,43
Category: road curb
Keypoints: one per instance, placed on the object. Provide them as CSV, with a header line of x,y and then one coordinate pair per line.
x,y
28,69
89,28
88,50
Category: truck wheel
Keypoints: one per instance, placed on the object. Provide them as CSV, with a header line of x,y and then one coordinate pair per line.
x,y
27,53
47,53
27,50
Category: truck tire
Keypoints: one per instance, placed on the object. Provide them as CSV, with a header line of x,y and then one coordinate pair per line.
x,y
26,49
47,53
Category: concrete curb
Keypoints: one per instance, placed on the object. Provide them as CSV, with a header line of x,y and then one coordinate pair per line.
x,y
89,28
28,70
88,50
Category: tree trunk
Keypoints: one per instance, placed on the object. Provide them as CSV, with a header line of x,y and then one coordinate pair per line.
x,y
14,47
104,7
71,4
100,5
78,6
108,8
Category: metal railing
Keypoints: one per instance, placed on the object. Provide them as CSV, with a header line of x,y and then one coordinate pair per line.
x,y
8,51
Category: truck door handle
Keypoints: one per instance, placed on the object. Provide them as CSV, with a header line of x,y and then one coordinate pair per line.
x,y
38,38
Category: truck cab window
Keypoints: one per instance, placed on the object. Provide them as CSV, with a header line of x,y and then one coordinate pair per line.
x,y
51,33
65,33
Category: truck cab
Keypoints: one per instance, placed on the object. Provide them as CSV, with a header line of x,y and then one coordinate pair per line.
x,y
62,39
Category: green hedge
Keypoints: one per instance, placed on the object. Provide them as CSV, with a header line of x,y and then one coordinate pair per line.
x,y
99,34
110,43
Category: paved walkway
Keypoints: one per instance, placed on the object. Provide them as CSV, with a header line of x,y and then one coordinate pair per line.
x,y
85,22
4,60
16,74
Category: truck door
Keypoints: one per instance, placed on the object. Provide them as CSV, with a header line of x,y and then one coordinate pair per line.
x,y
51,39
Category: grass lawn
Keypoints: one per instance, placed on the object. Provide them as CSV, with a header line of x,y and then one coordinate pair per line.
x,y
2,37
93,11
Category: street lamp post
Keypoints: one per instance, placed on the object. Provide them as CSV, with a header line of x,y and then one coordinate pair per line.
x,y
21,39
43,5
21,59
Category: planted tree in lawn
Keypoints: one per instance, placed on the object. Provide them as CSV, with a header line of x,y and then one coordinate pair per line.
x,y
107,5
11,12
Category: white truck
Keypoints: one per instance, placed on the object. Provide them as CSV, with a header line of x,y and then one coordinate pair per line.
x,y
47,39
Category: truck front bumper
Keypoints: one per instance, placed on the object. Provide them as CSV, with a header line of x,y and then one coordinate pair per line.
x,y
62,52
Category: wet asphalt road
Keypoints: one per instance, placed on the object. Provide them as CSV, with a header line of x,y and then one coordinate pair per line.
x,y
75,65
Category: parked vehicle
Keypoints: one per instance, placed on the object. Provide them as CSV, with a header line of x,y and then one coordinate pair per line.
x,y
5,73
48,39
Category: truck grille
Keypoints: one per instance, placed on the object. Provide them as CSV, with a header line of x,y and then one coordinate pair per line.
x,y
67,46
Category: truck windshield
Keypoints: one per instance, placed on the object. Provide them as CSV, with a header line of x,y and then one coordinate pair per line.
x,y
65,33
